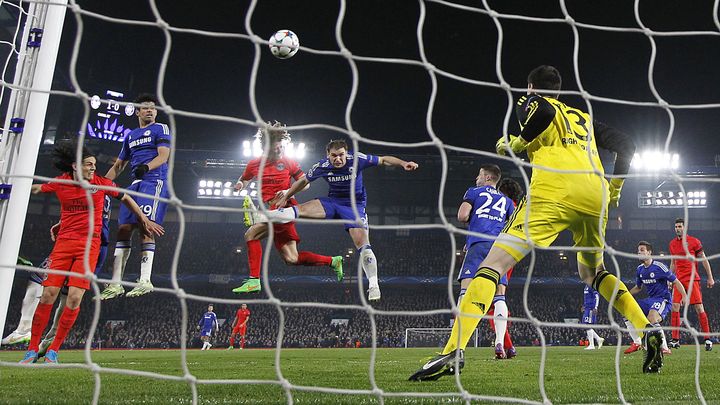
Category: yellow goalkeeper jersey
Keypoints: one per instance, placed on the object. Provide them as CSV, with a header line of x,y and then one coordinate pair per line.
x,y
559,137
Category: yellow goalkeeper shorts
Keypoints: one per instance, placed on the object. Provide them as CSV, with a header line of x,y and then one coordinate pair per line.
x,y
546,219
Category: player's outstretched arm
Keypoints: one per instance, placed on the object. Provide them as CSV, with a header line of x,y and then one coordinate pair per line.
x,y
150,228
624,147
116,169
394,161
708,270
282,197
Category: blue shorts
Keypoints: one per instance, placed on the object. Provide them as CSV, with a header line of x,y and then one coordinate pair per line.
x,y
589,317
153,209
473,257
205,332
334,210
661,305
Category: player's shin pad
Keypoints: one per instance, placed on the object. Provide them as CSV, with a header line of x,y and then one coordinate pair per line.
x,y
606,283
477,300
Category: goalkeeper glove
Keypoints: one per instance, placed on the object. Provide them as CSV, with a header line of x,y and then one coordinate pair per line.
x,y
517,144
615,187
140,171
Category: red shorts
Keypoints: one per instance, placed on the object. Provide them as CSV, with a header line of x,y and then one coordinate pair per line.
x,y
284,233
239,330
695,295
67,255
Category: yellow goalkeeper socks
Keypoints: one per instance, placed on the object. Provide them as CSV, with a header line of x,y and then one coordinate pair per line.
x,y
477,300
605,283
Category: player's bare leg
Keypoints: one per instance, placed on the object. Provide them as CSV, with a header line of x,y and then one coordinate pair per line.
x,y
123,247
146,261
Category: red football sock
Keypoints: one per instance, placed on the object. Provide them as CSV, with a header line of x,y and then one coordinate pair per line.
x,y
254,257
232,340
508,341
675,322
242,341
39,322
313,259
67,320
704,324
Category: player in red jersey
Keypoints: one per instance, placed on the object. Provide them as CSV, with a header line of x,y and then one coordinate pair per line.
x,y
69,251
276,178
239,326
686,271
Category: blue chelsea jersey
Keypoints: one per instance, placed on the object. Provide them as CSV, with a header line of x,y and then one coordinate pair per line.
x,y
490,211
141,146
656,278
339,179
591,298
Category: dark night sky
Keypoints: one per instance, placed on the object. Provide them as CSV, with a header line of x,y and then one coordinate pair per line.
x,y
211,75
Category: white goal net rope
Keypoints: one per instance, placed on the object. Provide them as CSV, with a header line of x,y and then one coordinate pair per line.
x,y
463,392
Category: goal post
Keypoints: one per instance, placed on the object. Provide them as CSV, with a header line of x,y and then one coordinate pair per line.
x,y
434,337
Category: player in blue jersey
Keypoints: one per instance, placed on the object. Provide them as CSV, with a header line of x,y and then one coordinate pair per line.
x,y
657,278
337,169
207,324
485,210
34,289
591,299
147,149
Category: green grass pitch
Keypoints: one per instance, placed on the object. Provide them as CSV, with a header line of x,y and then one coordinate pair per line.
x,y
572,375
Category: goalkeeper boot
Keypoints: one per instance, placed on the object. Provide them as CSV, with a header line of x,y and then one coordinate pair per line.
x,y
143,287
16,337
337,262
374,294
708,345
51,357
248,286
44,345
674,344
112,291
439,366
652,340
31,356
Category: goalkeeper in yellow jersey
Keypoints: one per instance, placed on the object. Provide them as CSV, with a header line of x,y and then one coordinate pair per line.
x,y
567,191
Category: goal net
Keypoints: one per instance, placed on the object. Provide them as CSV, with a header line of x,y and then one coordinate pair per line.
x,y
432,81
433,337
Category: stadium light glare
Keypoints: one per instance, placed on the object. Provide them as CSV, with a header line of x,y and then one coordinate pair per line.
x,y
671,199
655,161
253,193
202,183
228,184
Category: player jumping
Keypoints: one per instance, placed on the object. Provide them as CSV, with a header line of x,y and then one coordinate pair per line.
x,y
277,176
656,276
572,195
147,149
69,250
591,299
686,272
239,326
337,169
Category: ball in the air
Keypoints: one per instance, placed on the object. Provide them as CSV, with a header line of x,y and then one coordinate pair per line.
x,y
284,44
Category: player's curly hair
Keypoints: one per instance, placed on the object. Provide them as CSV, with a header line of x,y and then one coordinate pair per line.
x,y
273,132
511,188
145,98
64,155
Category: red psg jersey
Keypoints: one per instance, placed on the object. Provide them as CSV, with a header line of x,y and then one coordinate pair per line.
x,y
74,210
685,268
242,315
276,175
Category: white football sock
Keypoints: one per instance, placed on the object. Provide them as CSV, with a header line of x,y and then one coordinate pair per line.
x,y
369,265
29,303
664,343
282,215
633,333
501,314
590,338
122,253
146,261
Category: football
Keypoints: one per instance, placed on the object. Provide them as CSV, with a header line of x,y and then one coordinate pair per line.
x,y
284,44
